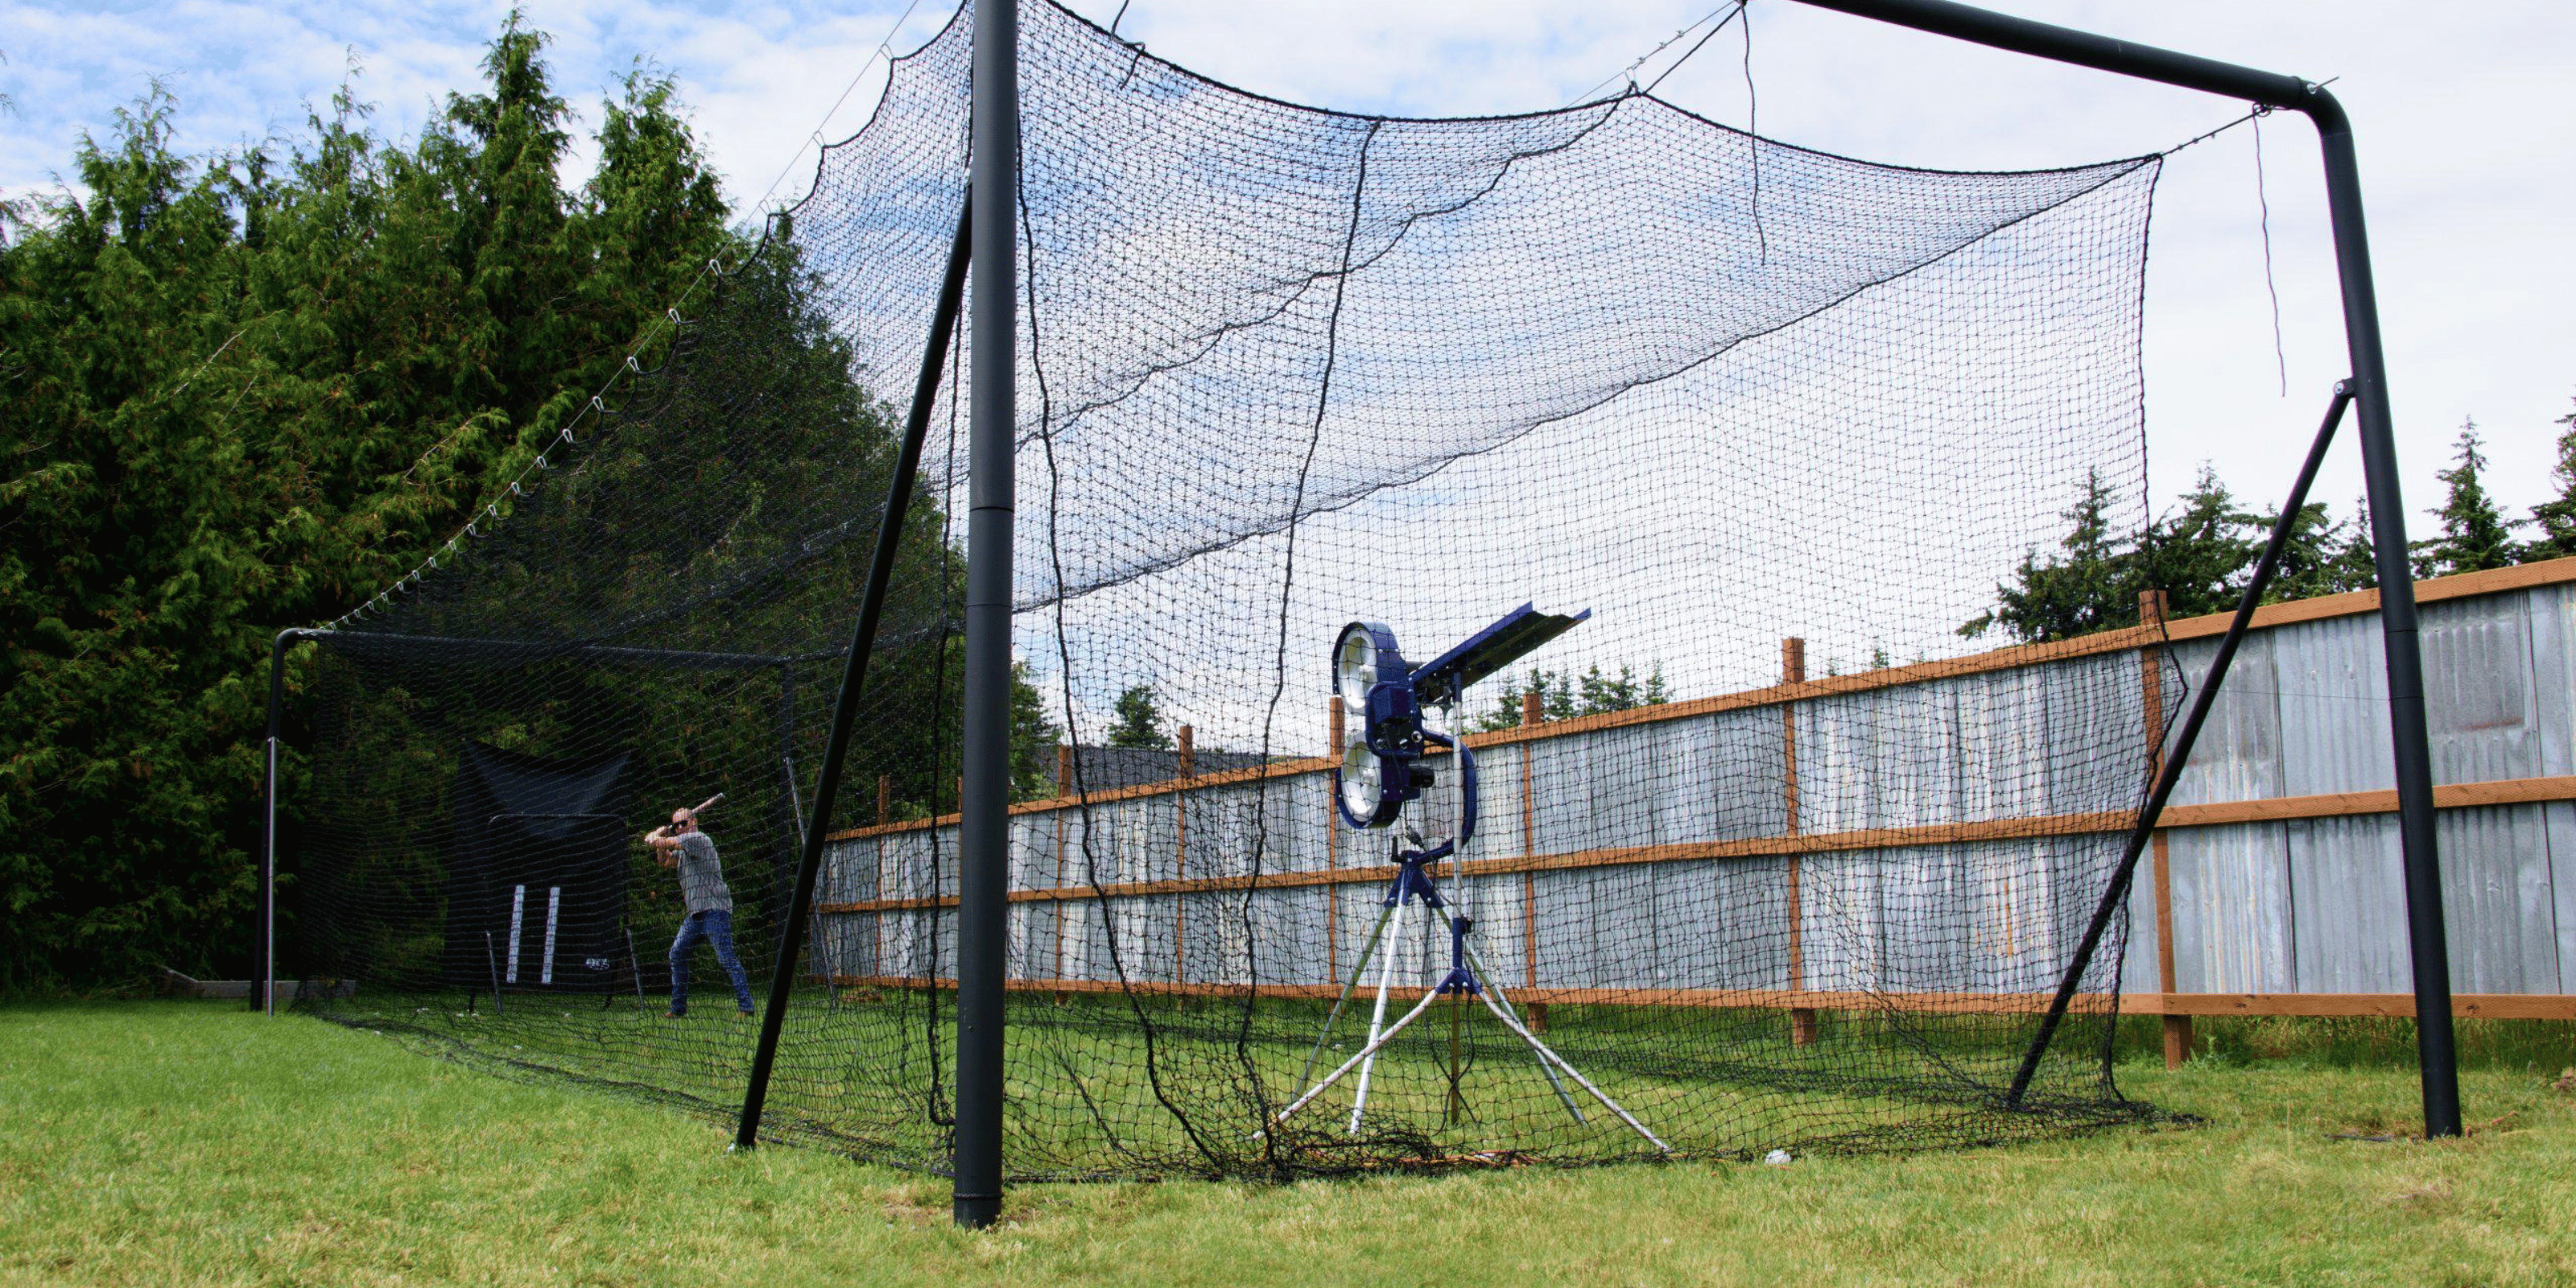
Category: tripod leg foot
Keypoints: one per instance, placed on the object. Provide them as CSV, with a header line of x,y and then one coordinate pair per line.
x,y
1549,1053
1554,1082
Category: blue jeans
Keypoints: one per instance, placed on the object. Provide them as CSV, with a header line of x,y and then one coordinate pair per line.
x,y
715,926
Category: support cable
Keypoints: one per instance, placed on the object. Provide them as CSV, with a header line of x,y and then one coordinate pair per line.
x,y
1696,45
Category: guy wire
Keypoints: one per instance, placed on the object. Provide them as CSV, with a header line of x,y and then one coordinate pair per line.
x,y
1629,72
1695,46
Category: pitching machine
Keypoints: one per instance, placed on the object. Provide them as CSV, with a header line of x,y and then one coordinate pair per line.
x,y
1397,715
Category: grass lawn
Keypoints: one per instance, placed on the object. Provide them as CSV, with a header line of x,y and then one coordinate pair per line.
x,y
193,1143
858,1078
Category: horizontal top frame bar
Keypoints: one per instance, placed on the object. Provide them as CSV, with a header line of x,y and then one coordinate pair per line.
x,y
2103,53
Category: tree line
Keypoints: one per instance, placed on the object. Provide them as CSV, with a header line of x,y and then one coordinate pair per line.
x,y
247,389
2202,552
250,388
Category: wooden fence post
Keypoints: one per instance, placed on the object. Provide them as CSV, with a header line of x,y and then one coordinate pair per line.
x,y
1793,670
1533,713
885,812
1332,845
2151,612
1063,789
1181,863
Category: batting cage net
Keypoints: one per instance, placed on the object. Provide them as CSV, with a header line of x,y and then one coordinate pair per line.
x,y
1765,853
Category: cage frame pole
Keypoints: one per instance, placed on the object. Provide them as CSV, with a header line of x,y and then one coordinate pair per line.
x,y
2410,746
854,673
263,935
983,824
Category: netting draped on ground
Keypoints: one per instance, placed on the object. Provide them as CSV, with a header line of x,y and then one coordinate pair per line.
x,y
1283,369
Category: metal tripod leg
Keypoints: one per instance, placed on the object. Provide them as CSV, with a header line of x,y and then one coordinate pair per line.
x,y
1357,970
1377,1018
1547,1055
1366,1053
1570,1071
1486,977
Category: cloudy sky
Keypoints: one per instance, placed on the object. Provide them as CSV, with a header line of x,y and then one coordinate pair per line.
x,y
2465,133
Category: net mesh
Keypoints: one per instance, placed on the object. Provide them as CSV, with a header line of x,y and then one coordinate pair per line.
x,y
1802,879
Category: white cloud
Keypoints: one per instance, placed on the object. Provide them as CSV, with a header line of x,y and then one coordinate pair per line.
x,y
2463,132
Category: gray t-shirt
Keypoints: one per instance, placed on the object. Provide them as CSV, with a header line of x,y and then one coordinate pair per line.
x,y
702,885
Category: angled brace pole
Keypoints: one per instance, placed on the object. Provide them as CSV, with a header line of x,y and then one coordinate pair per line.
x,y
2410,748
2117,892
854,674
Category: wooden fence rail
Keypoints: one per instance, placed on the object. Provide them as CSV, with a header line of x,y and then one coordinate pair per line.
x,y
1793,842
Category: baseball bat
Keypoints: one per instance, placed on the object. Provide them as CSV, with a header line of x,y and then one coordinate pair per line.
x,y
702,808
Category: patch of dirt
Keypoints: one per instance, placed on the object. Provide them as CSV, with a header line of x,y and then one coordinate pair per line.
x,y
2429,1197
917,1205
2493,1124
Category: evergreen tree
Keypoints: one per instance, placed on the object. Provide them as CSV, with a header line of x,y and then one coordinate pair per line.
x,y
244,391
2475,535
2556,517
2075,593
2353,562
1564,695
1604,693
2315,560
1506,711
1555,690
1034,738
2199,555
1139,724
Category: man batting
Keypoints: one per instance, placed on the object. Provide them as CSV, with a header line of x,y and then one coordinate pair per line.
x,y
709,904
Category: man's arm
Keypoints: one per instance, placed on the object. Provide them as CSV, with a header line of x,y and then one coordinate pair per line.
x,y
661,840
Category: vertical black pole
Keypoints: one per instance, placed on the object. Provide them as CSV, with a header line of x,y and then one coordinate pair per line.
x,y
2428,942
983,823
854,674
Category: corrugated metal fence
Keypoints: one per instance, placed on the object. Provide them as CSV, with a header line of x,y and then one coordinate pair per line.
x,y
2274,889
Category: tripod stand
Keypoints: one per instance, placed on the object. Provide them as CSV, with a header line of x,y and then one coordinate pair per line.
x,y
1467,977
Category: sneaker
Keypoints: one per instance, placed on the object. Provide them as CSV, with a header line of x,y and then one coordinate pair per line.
x,y
742,1015
675,1015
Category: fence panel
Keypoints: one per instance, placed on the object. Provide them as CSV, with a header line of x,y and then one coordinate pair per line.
x,y
1708,851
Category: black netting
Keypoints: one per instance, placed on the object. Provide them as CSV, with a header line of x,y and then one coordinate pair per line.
x,y
1284,369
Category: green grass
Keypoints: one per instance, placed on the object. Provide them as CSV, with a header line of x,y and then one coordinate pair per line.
x,y
1085,1101
192,1143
